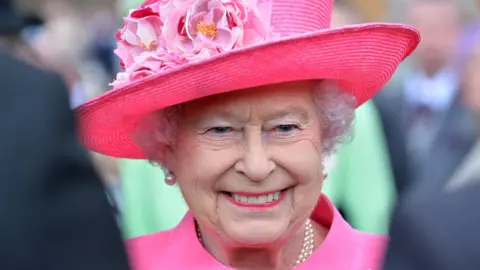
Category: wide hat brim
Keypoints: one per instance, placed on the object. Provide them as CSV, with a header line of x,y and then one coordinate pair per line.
x,y
361,58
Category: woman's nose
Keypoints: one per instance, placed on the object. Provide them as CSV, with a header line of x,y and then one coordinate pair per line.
x,y
255,163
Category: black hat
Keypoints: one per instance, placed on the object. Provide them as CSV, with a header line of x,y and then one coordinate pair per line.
x,y
11,20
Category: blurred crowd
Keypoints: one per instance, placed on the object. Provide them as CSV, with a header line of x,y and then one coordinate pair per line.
x,y
421,129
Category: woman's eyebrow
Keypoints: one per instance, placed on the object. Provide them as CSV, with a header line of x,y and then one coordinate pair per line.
x,y
229,116
296,111
218,115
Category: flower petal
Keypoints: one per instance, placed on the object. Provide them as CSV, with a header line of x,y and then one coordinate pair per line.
x,y
130,37
218,15
224,39
208,18
170,30
147,35
251,37
142,13
184,44
198,7
192,24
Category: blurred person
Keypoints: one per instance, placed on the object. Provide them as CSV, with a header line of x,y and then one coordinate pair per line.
x,y
244,126
435,227
470,94
421,110
467,39
70,56
365,204
439,21
11,39
77,53
437,230
344,14
65,55
55,213
103,25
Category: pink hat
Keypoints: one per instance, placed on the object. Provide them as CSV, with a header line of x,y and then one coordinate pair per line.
x,y
174,51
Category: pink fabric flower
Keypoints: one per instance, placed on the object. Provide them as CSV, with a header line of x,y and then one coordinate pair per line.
x,y
127,53
141,31
256,28
237,12
217,25
175,33
207,26
159,61
147,64
164,34
126,78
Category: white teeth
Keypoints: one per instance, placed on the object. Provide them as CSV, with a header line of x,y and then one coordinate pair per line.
x,y
262,199
257,199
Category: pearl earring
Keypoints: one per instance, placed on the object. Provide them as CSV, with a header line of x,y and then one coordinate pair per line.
x,y
170,178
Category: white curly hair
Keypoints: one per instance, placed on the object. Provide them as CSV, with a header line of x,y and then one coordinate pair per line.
x,y
156,133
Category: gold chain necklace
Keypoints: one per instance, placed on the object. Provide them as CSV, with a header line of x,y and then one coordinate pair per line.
x,y
307,246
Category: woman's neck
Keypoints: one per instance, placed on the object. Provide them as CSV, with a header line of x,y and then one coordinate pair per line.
x,y
280,256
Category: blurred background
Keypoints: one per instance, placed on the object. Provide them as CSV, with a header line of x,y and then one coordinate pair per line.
x,y
421,127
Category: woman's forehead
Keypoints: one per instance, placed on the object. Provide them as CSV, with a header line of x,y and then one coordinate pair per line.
x,y
286,96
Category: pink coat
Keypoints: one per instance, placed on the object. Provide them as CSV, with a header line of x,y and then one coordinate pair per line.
x,y
344,248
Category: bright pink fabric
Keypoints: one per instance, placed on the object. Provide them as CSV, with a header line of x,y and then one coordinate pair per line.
x,y
344,248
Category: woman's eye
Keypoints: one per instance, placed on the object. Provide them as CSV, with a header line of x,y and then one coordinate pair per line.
x,y
220,130
286,128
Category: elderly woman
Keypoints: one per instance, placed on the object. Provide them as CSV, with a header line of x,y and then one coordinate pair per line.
x,y
241,102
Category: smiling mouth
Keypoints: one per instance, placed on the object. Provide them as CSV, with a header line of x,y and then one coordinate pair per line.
x,y
249,199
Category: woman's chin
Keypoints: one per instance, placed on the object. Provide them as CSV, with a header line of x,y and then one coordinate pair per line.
x,y
254,226
256,233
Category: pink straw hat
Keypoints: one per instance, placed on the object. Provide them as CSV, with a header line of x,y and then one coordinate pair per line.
x,y
175,51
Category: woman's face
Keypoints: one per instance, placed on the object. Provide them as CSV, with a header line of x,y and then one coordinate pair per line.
x,y
249,163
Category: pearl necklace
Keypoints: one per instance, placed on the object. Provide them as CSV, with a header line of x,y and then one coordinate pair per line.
x,y
307,246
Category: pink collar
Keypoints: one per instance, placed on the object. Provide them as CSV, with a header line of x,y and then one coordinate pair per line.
x,y
339,246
